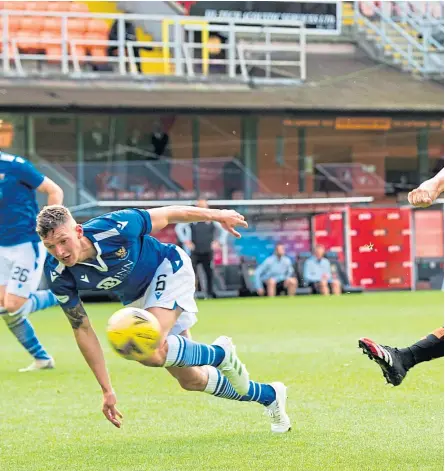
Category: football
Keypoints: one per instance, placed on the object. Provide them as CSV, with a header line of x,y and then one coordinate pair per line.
x,y
134,333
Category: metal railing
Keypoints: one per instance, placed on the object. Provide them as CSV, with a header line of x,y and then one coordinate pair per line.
x,y
250,50
415,48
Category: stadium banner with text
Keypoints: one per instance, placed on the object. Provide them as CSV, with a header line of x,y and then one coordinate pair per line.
x,y
319,17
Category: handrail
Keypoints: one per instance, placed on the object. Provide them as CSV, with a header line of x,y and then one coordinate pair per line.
x,y
175,49
409,19
413,8
427,48
398,49
388,21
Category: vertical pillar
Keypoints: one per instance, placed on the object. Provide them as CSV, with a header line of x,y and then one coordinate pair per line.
x,y
80,154
30,141
422,155
301,160
249,135
195,153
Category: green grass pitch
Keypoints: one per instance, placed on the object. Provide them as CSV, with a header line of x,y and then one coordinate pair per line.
x,y
344,416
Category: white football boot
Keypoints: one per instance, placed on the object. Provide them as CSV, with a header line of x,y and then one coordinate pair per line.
x,y
277,410
231,367
39,365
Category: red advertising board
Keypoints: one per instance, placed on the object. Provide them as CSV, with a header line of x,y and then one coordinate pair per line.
x,y
328,230
380,245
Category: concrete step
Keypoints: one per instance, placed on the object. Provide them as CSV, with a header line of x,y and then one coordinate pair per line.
x,y
390,47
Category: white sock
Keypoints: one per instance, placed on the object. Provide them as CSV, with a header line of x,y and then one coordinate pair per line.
x,y
213,380
173,350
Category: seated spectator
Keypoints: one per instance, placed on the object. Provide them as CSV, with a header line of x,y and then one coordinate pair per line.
x,y
276,274
318,275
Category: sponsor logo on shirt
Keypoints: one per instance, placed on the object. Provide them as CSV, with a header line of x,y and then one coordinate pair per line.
x,y
112,281
109,283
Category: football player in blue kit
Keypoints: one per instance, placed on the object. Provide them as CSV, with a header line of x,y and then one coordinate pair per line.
x,y
22,254
115,252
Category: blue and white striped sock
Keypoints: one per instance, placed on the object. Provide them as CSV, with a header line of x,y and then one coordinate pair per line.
x,y
183,352
25,334
42,299
37,301
219,386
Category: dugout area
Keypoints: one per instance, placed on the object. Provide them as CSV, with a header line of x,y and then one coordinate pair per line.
x,y
370,248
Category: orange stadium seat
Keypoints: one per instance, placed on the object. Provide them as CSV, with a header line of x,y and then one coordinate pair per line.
x,y
50,36
58,6
98,50
53,24
53,51
26,28
76,27
76,7
97,30
14,5
35,6
32,23
76,30
25,41
13,24
98,26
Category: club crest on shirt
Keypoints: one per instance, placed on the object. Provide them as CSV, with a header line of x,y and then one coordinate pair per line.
x,y
2,176
122,253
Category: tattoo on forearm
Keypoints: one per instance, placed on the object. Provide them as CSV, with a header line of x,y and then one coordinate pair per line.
x,y
76,315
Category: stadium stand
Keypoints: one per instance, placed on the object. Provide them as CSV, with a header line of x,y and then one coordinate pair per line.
x,y
327,128
36,28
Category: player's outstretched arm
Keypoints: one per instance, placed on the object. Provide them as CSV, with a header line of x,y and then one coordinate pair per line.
x,y
229,219
428,191
90,347
54,192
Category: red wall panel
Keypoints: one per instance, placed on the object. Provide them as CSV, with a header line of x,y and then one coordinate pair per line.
x,y
381,248
328,231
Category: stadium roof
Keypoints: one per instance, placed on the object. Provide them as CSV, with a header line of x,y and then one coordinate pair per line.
x,y
335,82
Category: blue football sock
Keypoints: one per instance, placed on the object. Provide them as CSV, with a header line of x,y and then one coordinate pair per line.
x,y
42,299
37,301
183,352
25,334
220,386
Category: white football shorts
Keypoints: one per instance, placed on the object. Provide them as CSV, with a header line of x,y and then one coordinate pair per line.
x,y
21,267
171,290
